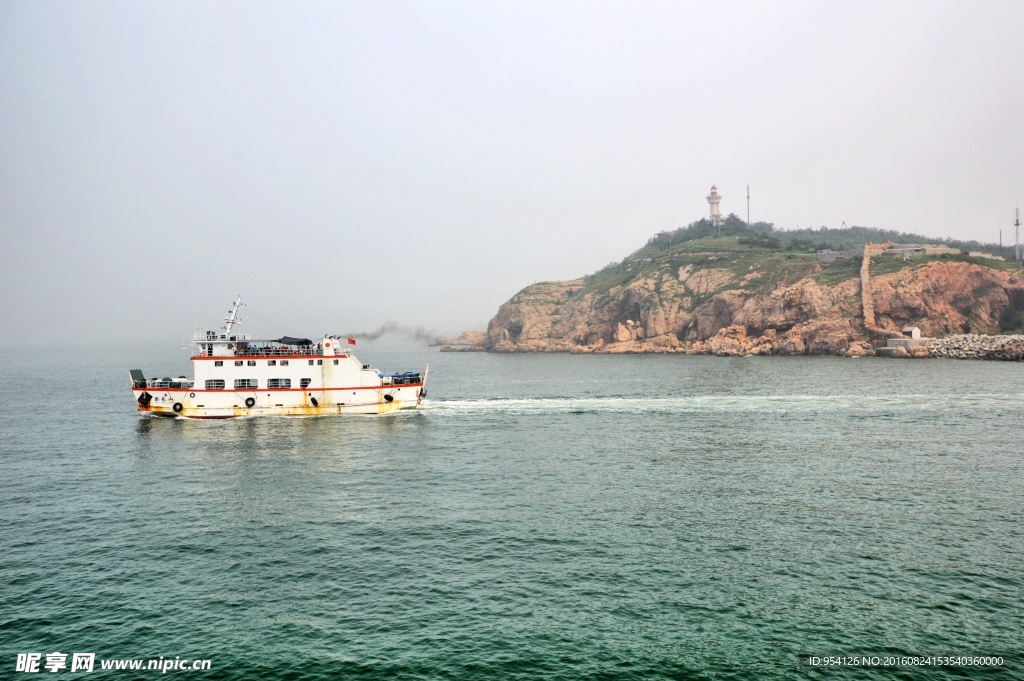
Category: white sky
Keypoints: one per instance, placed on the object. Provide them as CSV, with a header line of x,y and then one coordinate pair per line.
x,y
345,164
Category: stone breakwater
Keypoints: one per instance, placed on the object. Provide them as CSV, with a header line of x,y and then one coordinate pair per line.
x,y
978,346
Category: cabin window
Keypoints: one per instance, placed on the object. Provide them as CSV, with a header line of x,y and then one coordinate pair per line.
x,y
319,362
305,382
279,382
218,363
241,383
238,362
271,362
215,384
310,362
284,362
251,362
335,361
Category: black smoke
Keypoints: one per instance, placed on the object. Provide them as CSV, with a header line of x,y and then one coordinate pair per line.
x,y
395,329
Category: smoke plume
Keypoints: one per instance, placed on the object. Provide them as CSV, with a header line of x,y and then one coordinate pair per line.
x,y
394,328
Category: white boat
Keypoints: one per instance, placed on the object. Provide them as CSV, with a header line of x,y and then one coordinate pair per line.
x,y
236,375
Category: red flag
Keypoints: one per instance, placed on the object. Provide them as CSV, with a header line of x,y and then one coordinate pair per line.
x,y
351,341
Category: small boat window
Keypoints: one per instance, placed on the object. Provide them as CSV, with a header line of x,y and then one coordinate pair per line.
x,y
218,363
284,362
246,383
215,384
238,362
271,362
279,382
319,362
310,362
335,361
251,362
305,382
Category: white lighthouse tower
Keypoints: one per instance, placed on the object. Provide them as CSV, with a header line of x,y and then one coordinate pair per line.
x,y
713,200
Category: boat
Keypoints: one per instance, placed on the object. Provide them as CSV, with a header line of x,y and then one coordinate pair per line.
x,y
236,375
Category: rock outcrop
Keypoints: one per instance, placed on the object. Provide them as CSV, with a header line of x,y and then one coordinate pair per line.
x,y
466,338
786,304
947,298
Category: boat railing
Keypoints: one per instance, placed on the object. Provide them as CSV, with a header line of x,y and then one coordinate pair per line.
x,y
156,384
273,352
407,378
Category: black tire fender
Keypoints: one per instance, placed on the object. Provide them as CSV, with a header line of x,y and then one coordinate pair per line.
x,y
250,402
389,398
177,407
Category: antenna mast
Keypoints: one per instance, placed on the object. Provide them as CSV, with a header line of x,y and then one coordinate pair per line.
x,y
748,205
232,317
1016,224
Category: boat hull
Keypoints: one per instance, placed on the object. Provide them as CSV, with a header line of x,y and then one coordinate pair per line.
x,y
202,404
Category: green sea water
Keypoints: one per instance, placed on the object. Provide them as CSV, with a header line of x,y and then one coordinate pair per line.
x,y
542,517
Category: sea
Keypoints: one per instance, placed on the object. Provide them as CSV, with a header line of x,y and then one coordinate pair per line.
x,y
543,516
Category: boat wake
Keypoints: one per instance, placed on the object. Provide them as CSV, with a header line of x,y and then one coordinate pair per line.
x,y
852,404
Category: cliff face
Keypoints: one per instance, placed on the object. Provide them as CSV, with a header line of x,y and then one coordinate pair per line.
x,y
744,302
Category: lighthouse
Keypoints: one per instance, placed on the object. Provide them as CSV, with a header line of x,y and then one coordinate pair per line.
x,y
713,200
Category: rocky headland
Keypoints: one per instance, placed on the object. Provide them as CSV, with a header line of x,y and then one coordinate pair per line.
x,y
742,295
467,341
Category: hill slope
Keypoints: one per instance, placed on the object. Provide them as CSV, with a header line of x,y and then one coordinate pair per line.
x,y
752,292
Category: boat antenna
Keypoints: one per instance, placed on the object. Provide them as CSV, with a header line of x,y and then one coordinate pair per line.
x,y
232,317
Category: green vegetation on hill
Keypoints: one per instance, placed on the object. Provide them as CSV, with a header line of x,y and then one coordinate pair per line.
x,y
758,259
757,235
849,268
839,239
753,264
1012,319
765,234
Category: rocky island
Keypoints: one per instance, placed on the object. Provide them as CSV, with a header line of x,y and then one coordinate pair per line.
x,y
734,289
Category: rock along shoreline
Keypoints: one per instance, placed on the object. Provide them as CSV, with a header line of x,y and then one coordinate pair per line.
x,y
733,342
978,346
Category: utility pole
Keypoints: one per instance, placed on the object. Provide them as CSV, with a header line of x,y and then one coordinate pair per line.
x,y
1017,236
1016,224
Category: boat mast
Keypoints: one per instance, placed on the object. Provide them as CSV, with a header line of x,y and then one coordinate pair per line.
x,y
232,317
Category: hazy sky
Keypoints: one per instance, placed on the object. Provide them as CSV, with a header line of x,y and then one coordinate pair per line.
x,y
344,164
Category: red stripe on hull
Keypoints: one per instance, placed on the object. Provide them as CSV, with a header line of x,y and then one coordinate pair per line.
x,y
279,390
234,358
